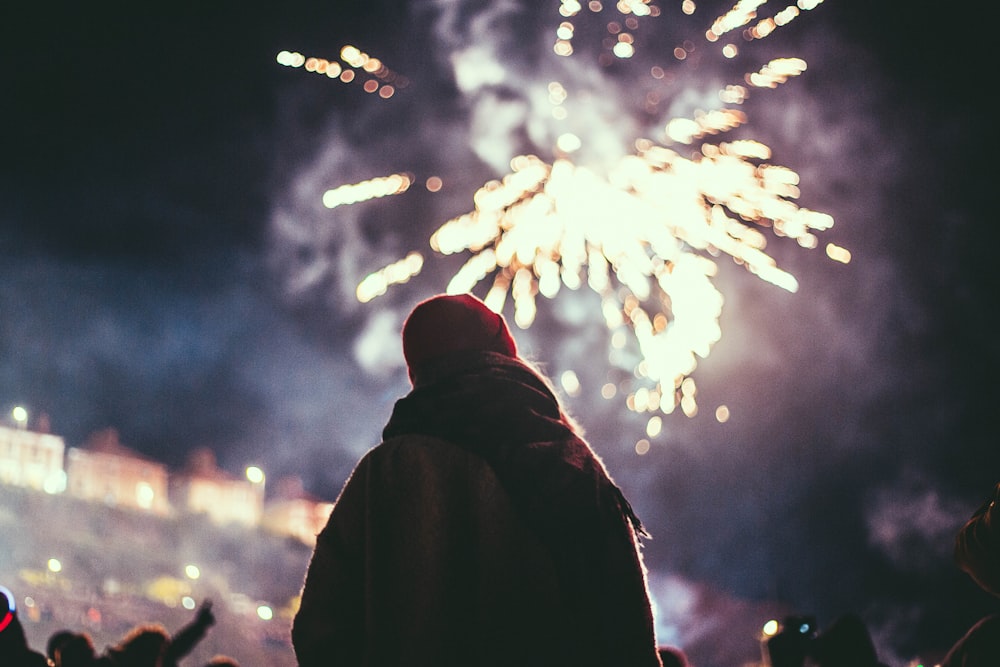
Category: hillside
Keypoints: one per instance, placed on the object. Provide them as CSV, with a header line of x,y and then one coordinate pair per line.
x,y
114,569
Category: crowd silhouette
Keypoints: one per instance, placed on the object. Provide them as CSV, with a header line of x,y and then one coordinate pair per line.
x,y
145,645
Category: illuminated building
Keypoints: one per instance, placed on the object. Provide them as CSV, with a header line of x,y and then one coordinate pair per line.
x,y
295,513
104,470
32,460
202,488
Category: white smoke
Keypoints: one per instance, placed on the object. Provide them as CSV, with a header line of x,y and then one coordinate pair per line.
x,y
317,252
377,348
914,525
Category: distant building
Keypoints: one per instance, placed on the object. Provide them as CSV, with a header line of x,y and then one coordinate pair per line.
x,y
104,470
32,460
295,513
202,488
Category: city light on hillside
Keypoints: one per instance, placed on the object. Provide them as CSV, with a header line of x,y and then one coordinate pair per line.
x,y
255,475
55,482
20,416
144,495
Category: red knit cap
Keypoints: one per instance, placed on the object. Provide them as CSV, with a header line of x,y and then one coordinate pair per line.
x,y
453,323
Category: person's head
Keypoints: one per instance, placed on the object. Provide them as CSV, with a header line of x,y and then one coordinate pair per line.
x,y
222,661
446,324
846,643
143,645
672,656
74,650
56,640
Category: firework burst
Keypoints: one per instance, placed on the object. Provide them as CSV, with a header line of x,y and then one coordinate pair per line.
x,y
644,233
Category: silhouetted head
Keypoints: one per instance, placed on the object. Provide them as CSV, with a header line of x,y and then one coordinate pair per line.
x,y
671,656
222,661
846,643
446,324
76,650
143,645
55,641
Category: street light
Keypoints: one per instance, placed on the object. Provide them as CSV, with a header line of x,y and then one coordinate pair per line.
x,y
255,475
20,416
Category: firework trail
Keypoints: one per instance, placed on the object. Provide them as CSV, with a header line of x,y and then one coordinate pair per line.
x,y
375,75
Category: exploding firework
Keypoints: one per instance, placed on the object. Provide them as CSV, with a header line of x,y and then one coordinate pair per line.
x,y
644,233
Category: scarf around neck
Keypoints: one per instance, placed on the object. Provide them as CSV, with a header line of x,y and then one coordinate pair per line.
x,y
499,409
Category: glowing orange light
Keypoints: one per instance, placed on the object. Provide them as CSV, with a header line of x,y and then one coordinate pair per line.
x,y
623,50
354,58
838,254
376,187
377,283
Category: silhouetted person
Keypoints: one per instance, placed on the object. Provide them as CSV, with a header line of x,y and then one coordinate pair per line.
x,y
977,552
977,545
56,640
14,648
144,646
483,530
790,646
846,643
149,645
74,649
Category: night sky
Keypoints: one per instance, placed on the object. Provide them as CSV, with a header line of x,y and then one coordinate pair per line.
x,y
167,268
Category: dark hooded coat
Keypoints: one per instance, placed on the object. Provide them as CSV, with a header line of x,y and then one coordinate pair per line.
x,y
482,531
